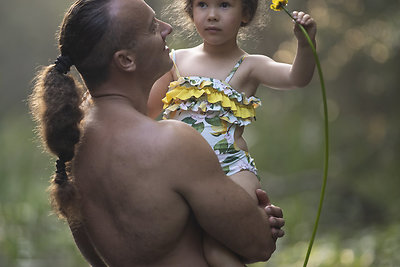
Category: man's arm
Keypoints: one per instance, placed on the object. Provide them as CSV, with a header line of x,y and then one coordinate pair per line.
x,y
222,208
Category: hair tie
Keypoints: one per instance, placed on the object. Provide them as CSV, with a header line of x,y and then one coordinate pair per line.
x,y
63,64
62,176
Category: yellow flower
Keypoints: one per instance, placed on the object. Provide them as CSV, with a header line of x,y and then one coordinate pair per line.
x,y
278,4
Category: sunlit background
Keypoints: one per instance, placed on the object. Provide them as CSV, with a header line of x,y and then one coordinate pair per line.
x,y
358,44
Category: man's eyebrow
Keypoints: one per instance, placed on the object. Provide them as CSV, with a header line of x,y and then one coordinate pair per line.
x,y
153,21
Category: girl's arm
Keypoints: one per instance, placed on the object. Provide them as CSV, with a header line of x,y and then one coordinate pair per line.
x,y
157,93
303,66
285,76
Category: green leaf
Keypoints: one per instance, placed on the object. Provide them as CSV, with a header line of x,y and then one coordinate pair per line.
x,y
199,127
216,121
230,159
189,120
226,169
222,146
232,150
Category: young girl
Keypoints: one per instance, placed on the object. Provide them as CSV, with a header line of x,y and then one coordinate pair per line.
x,y
212,87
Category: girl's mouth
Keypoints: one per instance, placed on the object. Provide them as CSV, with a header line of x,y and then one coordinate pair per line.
x,y
212,29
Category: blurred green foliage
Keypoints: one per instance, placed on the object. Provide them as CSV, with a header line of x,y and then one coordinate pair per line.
x,y
358,44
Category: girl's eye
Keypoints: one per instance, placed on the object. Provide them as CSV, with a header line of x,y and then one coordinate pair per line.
x,y
224,4
202,4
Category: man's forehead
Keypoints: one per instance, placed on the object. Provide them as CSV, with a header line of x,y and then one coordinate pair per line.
x,y
132,8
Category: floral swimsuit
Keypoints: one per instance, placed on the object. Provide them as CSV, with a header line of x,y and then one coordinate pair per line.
x,y
214,109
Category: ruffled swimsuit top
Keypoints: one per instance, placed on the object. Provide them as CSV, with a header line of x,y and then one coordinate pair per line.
x,y
214,109
211,96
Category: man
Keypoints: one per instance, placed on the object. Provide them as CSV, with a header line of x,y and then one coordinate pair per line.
x,y
143,191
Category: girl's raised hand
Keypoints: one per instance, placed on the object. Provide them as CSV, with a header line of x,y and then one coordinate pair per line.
x,y
307,22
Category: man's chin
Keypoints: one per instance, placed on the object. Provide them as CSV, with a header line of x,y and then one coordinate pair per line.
x,y
167,68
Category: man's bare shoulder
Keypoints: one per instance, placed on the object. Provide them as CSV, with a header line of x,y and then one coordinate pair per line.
x,y
188,149
175,127
179,134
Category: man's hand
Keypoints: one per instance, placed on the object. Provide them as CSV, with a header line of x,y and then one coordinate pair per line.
x,y
275,214
275,220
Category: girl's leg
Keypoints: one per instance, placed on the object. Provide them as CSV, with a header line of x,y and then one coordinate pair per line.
x,y
248,181
215,253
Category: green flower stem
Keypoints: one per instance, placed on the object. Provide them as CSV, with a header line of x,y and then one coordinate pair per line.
x,y
326,158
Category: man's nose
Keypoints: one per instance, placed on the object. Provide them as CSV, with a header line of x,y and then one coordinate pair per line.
x,y
165,30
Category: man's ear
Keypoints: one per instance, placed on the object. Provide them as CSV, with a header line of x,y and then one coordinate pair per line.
x,y
125,60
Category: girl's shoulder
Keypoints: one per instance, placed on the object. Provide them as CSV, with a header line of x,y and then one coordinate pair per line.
x,y
256,60
257,57
186,51
185,54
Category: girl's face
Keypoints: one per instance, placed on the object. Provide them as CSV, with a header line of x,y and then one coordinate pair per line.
x,y
218,21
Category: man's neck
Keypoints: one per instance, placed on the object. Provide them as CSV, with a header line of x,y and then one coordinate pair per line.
x,y
131,94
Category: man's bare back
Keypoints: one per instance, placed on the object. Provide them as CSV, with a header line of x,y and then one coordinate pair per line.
x,y
132,195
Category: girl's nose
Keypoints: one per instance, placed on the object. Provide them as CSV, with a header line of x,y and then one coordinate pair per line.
x,y
212,14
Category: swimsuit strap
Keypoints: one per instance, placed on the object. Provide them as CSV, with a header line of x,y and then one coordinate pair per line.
x,y
173,54
233,71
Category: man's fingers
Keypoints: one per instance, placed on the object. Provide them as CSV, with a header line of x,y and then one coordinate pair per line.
x,y
276,222
277,233
274,211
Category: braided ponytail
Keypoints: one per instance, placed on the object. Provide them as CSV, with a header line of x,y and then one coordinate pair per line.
x,y
55,106
88,38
